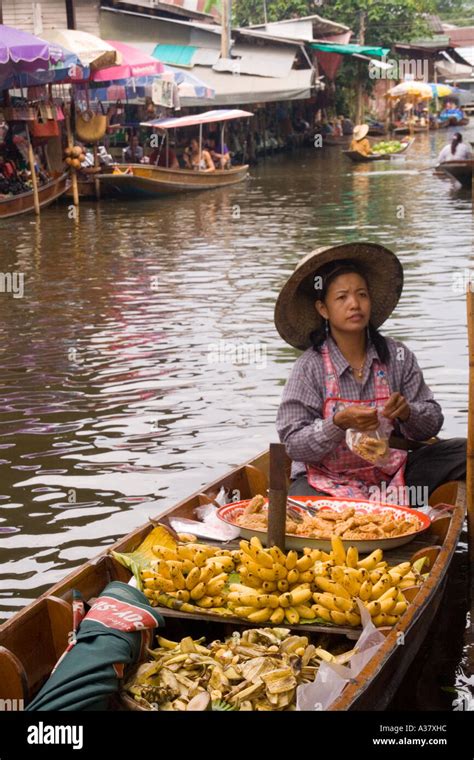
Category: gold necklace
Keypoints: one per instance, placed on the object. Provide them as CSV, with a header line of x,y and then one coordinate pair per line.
x,y
359,371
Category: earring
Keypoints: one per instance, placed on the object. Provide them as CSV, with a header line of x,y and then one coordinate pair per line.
x,y
326,327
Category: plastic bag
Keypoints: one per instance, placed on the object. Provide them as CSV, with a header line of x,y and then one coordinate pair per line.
x,y
371,445
331,679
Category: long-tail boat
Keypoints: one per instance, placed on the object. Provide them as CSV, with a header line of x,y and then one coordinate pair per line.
x,y
145,180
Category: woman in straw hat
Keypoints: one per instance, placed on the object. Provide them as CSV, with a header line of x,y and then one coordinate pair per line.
x,y
352,377
359,141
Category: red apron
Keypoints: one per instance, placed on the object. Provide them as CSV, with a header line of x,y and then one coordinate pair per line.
x,y
342,473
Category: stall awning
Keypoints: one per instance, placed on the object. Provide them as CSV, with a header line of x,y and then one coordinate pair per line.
x,y
350,49
208,117
232,89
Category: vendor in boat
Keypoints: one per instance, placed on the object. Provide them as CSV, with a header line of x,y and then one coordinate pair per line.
x,y
198,160
134,153
352,377
359,141
455,150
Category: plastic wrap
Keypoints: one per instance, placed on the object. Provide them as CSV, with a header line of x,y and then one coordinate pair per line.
x,y
371,445
331,678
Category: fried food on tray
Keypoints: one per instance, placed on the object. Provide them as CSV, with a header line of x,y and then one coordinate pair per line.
x,y
348,524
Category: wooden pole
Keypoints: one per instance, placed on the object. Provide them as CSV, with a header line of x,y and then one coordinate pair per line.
x,y
359,89
70,143
470,430
96,166
226,13
34,181
200,147
277,496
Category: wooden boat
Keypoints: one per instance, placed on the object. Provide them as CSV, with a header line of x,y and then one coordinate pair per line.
x,y
453,122
377,131
439,125
23,203
354,155
460,170
32,640
85,187
409,130
145,181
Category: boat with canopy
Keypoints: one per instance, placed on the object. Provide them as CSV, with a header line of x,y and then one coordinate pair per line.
x,y
145,180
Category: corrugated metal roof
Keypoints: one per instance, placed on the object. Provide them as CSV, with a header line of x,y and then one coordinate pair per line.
x,y
258,61
240,90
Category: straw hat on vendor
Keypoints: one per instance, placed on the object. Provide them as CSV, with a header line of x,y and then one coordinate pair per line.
x,y
352,378
360,131
359,140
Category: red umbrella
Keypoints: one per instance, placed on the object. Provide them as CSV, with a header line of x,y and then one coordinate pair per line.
x,y
135,63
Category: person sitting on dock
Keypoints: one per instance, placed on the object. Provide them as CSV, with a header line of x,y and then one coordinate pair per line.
x,y
198,160
134,153
456,150
359,142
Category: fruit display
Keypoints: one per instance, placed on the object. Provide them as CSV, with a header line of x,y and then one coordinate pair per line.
x,y
319,587
267,585
387,146
257,669
191,574
74,156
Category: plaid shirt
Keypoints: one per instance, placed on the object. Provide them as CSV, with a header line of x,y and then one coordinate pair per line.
x,y
304,395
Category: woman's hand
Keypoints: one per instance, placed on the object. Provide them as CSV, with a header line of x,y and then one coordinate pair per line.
x,y
358,417
397,407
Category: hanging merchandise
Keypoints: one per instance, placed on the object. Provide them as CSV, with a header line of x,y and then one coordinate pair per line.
x,y
90,126
44,125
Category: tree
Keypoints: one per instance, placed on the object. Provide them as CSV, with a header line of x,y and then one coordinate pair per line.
x,y
246,12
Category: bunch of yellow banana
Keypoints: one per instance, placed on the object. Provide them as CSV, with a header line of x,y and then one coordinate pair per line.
x,y
371,580
275,587
190,572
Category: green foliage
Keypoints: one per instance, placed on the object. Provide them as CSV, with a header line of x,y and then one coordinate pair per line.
x,y
210,4
386,21
246,12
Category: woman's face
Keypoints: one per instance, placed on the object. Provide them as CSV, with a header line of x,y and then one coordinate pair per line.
x,y
347,304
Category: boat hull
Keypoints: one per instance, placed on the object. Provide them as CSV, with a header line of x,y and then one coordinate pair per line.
x,y
151,182
24,202
408,131
462,171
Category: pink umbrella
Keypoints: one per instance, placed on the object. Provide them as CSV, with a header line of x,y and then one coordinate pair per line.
x,y
135,63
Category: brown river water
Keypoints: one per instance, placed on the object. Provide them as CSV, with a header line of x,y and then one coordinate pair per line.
x,y
119,391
